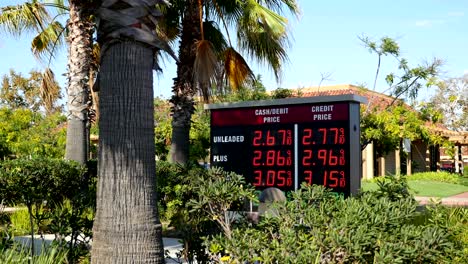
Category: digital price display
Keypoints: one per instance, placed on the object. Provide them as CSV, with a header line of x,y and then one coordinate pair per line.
x,y
283,143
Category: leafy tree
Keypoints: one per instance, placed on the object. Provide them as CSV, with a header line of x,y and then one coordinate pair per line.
x,y
36,16
261,33
199,134
385,128
31,120
25,133
127,227
249,90
451,100
163,129
406,81
20,92
386,121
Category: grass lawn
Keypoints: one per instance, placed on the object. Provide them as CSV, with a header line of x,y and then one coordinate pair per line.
x,y
426,188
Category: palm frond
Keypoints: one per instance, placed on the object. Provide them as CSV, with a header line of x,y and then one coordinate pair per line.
x,y
96,56
59,6
262,34
45,43
277,5
205,66
236,68
262,18
26,17
50,90
229,11
215,36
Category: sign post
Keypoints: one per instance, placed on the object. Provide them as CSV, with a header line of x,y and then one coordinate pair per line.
x,y
283,143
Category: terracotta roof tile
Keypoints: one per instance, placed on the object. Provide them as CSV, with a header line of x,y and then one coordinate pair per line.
x,y
375,100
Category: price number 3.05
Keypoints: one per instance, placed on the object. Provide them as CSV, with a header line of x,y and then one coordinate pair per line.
x,y
270,178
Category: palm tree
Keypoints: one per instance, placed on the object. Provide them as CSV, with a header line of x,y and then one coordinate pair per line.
x,y
261,33
80,58
127,227
34,16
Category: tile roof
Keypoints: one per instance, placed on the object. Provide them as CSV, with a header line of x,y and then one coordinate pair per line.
x,y
376,101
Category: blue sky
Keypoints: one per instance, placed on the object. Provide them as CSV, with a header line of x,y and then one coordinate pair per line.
x,y
325,42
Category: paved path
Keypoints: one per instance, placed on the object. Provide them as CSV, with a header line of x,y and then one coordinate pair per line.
x,y
456,200
171,245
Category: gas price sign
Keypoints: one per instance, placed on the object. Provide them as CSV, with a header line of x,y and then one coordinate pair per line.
x,y
283,143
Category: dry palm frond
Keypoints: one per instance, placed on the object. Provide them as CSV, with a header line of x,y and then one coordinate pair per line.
x,y
47,40
25,17
96,57
49,90
236,68
205,65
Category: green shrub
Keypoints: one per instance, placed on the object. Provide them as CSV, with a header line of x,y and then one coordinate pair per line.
x,y
186,195
315,225
18,254
19,222
454,219
442,176
59,196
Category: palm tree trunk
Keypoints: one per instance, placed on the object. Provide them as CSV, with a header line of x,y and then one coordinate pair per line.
x,y
79,59
184,87
126,227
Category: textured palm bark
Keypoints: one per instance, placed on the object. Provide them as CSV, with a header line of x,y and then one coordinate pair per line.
x,y
126,227
184,88
79,60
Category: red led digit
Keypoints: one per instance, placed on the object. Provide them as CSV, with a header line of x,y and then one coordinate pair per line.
x,y
270,139
307,157
270,158
280,160
281,178
335,130
257,178
256,161
257,140
333,179
324,134
308,177
306,138
282,133
332,160
270,180
322,155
